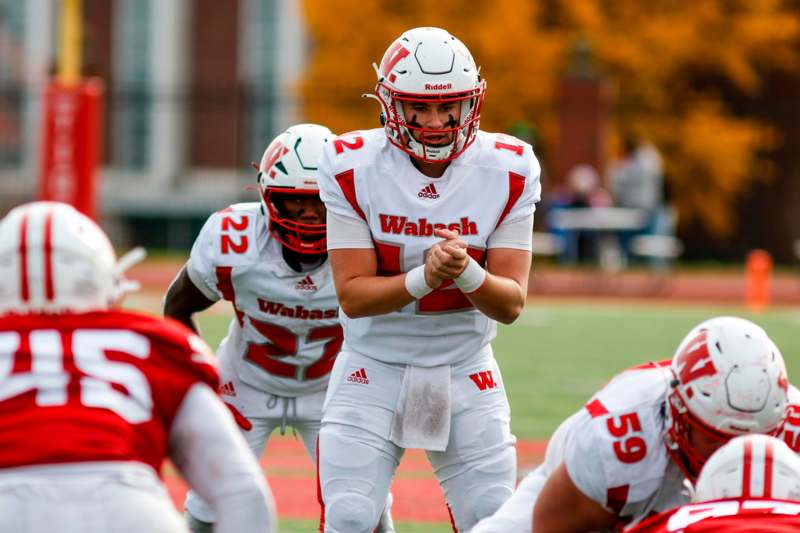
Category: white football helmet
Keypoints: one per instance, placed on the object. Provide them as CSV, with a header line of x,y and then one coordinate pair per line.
x,y
54,259
429,65
729,379
289,166
750,466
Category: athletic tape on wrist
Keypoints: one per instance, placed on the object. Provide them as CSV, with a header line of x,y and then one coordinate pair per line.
x,y
416,284
472,278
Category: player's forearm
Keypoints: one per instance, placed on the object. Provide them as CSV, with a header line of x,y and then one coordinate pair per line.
x,y
189,321
373,295
499,298
183,299
184,316
213,457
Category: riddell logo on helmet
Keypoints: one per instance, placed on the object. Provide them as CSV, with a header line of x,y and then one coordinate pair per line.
x,y
438,86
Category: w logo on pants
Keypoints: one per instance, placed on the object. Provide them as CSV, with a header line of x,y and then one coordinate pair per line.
x,y
483,380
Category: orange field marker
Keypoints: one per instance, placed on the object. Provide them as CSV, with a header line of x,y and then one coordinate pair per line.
x,y
758,270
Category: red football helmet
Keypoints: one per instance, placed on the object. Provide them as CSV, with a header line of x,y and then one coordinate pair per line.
x,y
289,167
729,379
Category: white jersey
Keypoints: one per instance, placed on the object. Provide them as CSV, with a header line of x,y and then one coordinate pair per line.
x,y
615,454
286,333
362,176
614,450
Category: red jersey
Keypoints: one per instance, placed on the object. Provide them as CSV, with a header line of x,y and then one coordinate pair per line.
x,y
730,516
100,386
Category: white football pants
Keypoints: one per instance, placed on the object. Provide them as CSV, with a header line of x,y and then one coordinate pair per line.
x,y
357,461
86,498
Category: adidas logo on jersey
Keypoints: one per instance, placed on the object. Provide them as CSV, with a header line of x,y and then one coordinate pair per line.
x,y
227,389
428,191
306,284
359,376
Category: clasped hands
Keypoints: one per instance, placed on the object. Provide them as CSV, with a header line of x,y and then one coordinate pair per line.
x,y
447,259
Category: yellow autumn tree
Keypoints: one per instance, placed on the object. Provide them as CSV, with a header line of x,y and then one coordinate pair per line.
x,y
674,66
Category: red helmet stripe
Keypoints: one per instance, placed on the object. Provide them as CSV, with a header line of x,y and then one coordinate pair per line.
x,y
393,56
746,468
49,290
768,452
23,258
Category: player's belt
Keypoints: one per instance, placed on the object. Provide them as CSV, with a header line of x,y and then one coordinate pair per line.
x,y
257,356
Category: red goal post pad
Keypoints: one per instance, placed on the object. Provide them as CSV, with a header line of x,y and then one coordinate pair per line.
x,y
70,148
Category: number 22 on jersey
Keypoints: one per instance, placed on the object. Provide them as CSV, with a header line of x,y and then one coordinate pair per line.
x,y
230,241
96,375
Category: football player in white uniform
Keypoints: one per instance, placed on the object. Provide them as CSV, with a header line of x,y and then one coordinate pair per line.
x,y
93,399
269,260
429,235
629,452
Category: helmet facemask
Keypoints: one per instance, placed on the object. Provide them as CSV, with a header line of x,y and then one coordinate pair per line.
x,y
401,132
300,237
682,424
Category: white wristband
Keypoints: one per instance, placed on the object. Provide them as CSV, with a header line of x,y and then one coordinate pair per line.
x,y
472,278
416,284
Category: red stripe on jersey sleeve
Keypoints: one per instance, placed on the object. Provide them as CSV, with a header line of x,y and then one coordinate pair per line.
x,y
346,181
225,282
225,286
617,497
516,184
596,408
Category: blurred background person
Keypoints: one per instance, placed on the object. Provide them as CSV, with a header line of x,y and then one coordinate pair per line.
x,y
636,180
583,188
636,176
